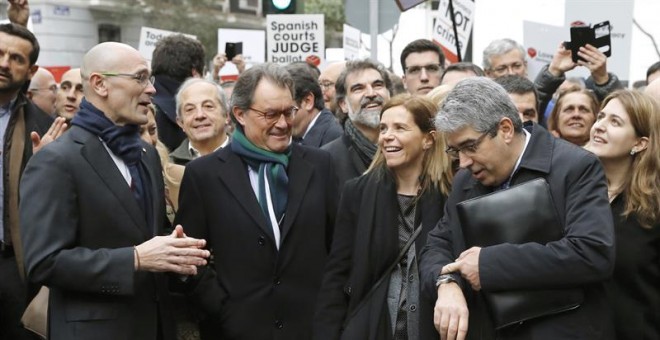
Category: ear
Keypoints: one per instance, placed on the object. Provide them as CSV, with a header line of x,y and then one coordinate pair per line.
x,y
239,114
403,79
195,74
307,102
98,85
506,129
33,70
429,140
179,122
343,105
641,145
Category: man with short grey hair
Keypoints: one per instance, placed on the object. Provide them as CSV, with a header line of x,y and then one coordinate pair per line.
x,y
202,114
504,56
43,91
362,89
267,208
485,133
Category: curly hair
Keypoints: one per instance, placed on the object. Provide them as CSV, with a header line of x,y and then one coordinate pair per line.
x,y
176,56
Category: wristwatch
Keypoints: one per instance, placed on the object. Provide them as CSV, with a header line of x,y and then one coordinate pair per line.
x,y
444,278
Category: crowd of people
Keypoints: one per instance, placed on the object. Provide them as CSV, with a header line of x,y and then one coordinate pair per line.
x,y
156,201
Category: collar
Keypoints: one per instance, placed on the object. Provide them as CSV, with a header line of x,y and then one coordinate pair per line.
x,y
311,124
195,153
507,183
9,107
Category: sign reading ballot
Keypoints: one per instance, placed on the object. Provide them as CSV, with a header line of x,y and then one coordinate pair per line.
x,y
150,36
294,37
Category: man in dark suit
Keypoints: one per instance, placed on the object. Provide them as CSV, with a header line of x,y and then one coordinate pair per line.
x,y
313,125
19,119
267,207
92,202
361,90
485,132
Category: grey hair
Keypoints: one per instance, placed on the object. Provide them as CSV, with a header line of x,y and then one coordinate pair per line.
x,y
499,47
479,103
247,83
222,98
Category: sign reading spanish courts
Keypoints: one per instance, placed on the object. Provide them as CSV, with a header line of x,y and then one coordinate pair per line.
x,y
294,37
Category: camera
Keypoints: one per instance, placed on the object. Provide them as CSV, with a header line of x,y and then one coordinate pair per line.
x,y
598,35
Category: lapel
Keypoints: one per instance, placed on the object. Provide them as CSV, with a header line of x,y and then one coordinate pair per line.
x,y
234,174
300,173
96,155
155,196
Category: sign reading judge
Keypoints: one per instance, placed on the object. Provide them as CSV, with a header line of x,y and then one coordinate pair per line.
x,y
294,37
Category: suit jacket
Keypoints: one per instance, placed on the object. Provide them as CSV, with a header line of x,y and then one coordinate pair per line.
x,y
365,244
347,163
181,155
325,130
169,132
584,257
80,222
252,290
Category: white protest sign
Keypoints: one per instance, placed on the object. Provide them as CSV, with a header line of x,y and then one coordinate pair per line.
x,y
254,47
294,37
443,31
620,15
149,37
351,42
541,42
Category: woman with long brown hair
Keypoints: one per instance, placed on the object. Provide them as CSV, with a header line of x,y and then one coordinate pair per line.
x,y
626,138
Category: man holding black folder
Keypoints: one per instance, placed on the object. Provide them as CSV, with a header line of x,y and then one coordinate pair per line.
x,y
526,241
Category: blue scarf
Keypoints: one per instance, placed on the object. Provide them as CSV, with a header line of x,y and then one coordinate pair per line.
x,y
270,166
125,143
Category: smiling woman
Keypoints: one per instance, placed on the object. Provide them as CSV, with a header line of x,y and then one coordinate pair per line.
x,y
573,115
381,214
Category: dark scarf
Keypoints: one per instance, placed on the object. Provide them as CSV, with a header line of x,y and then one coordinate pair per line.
x,y
124,142
164,98
364,147
270,166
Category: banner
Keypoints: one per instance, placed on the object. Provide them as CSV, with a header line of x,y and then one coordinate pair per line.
x,y
149,37
294,37
443,31
351,42
541,42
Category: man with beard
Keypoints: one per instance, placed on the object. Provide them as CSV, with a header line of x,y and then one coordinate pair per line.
x,y
361,90
19,117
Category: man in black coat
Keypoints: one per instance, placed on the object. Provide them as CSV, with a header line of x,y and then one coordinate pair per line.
x,y
267,208
485,133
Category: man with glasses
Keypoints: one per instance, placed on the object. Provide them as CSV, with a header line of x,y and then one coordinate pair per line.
x,y
327,80
92,206
267,207
485,133
43,91
504,56
423,63
70,94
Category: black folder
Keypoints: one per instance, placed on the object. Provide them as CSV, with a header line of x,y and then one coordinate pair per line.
x,y
520,214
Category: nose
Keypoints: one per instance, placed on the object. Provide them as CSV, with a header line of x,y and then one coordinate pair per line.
x,y
281,122
150,89
464,161
71,93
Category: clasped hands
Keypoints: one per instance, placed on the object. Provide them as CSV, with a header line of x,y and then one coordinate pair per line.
x,y
174,253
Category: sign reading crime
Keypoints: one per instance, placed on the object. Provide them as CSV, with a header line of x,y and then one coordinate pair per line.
x,y
150,36
294,37
443,31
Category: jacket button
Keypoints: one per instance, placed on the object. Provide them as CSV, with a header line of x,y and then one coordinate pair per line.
x,y
277,281
262,240
279,324
411,278
413,308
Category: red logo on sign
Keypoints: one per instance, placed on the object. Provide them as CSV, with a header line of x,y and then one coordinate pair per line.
x,y
531,52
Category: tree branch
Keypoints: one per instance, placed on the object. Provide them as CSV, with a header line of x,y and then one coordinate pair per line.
x,y
655,45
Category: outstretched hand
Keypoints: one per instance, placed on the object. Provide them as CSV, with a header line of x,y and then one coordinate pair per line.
x,y
175,253
18,12
56,129
595,61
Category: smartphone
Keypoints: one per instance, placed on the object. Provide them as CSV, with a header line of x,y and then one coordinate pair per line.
x,y
233,49
598,36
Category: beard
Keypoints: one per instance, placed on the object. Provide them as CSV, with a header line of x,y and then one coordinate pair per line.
x,y
10,85
364,116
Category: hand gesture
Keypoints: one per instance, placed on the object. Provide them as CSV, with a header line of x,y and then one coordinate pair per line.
x,y
450,315
468,265
239,62
595,61
18,12
175,253
55,131
562,62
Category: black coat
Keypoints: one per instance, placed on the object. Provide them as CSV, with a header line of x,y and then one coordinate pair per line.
x,y
347,162
634,291
584,257
169,132
252,290
365,244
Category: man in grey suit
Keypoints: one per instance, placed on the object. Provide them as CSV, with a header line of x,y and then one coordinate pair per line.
x,y
92,205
